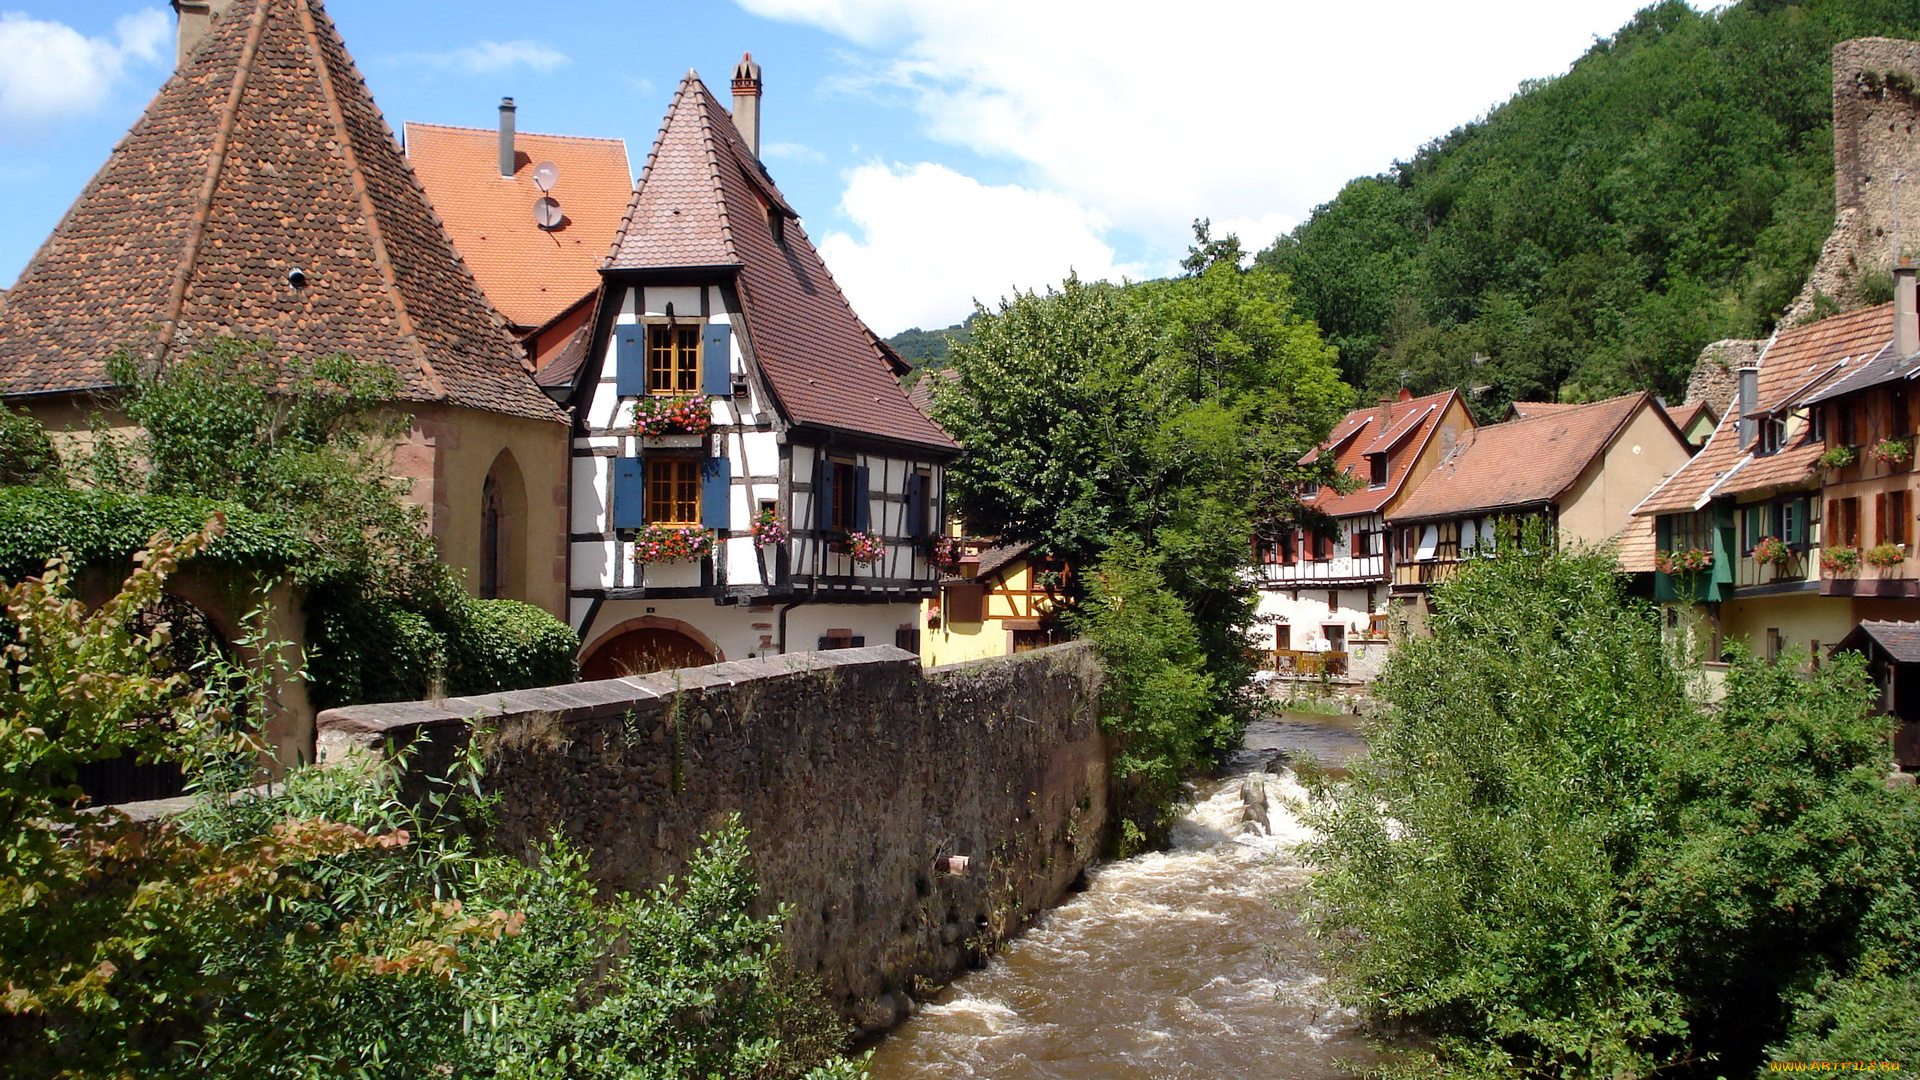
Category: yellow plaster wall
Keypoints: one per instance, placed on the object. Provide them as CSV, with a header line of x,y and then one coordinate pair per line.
x,y
1641,456
447,456
1802,618
954,643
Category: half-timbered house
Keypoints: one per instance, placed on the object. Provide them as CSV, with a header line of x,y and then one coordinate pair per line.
x,y
748,476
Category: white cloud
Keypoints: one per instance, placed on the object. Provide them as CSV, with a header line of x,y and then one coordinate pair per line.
x,y
1240,110
792,151
493,57
934,240
54,72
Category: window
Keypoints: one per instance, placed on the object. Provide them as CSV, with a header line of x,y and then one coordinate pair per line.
x,y
1283,636
493,509
673,491
1333,602
1891,519
1336,634
1773,434
673,358
845,513
1843,425
1377,464
1843,523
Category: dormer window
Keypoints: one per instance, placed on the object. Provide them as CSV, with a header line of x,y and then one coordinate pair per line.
x,y
1377,467
777,225
1773,434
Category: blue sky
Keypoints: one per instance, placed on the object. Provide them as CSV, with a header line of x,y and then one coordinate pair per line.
x,y
938,152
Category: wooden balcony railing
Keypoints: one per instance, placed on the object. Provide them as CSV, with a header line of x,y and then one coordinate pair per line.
x,y
1426,572
1308,662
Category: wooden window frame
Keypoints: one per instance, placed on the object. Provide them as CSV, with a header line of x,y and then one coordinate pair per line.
x,y
1841,527
1891,517
845,515
673,358
673,491
1378,470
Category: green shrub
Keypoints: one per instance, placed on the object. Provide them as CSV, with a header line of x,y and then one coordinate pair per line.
x,y
1558,864
364,650
27,456
508,645
95,527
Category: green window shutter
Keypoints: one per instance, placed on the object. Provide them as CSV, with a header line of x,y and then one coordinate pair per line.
x,y
716,363
716,493
629,493
630,359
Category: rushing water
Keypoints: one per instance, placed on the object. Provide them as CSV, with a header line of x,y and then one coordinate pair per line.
x,y
1191,963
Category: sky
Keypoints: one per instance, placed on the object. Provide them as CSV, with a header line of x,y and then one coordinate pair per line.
x,y
939,152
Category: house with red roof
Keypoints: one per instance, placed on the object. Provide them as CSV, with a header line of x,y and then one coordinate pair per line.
x,y
532,216
1795,522
748,476
262,195
1580,469
1323,582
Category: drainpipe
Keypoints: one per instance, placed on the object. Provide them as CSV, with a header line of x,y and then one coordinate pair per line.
x,y
780,628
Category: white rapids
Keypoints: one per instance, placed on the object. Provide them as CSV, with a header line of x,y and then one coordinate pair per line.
x,y
1189,963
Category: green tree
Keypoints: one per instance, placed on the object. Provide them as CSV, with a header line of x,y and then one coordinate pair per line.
x,y
1559,863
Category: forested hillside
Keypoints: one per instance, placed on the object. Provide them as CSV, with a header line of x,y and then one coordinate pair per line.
x,y
1591,234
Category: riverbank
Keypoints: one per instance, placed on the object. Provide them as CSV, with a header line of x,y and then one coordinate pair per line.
x,y
1188,963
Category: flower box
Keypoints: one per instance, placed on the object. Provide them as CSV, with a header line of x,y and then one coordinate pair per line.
x,y
1838,457
1885,556
1840,559
1772,551
768,530
1891,451
1682,561
864,549
666,543
657,415
664,442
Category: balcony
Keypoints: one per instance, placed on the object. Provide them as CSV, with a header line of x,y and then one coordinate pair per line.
x,y
1425,572
1309,664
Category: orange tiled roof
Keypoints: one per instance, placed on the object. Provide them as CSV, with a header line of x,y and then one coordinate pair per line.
x,y
1634,545
1527,410
1409,425
531,274
1796,362
265,153
706,201
1521,462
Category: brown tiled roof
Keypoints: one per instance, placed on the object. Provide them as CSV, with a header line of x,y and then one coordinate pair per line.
x,y
264,154
922,391
705,201
1634,545
1527,410
531,274
1521,462
1682,415
1792,361
1409,425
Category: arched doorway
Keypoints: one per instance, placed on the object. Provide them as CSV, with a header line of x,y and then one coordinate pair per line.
x,y
639,646
503,543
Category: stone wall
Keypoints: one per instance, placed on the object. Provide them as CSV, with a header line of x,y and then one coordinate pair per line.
x,y
1876,172
858,774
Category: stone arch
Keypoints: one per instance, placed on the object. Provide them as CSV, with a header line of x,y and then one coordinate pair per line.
x,y
650,643
503,530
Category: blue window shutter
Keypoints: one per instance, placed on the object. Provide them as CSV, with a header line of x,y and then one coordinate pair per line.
x,y
822,494
916,505
629,493
716,371
716,493
630,359
861,520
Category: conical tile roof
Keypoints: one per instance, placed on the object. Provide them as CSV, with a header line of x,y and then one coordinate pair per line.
x,y
705,201
263,155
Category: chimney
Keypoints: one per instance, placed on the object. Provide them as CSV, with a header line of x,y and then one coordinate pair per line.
x,y
746,101
195,18
1906,312
1385,415
506,137
1746,401
1406,394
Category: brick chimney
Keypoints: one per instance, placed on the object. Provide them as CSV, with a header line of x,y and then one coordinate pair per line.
x,y
507,160
1384,416
746,101
1406,394
195,19
1906,313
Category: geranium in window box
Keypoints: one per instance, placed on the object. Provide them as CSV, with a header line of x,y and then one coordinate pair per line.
x,y
1682,560
1840,559
1838,457
1772,551
864,549
768,530
1891,451
664,415
672,543
1885,556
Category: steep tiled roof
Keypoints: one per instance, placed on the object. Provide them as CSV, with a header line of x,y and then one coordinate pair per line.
x,y
1683,415
1521,462
1527,410
264,154
705,201
1794,366
1634,545
531,274
1409,425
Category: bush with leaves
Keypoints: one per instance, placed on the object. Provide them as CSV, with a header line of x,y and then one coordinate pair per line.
x,y
1558,863
321,927
27,455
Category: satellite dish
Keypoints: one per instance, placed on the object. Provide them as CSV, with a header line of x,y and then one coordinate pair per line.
x,y
546,212
545,175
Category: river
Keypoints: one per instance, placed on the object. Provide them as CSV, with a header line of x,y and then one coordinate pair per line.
x,y
1192,963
